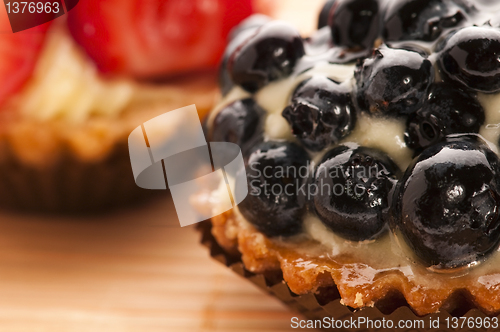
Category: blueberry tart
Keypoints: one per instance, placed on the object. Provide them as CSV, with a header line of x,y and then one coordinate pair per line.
x,y
371,151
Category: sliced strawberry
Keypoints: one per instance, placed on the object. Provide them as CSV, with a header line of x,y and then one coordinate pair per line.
x,y
151,38
18,53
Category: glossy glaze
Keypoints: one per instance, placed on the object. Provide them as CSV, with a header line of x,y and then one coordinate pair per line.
x,y
355,23
394,90
240,122
353,185
448,109
321,112
274,204
471,57
421,19
447,204
392,82
325,13
238,36
268,55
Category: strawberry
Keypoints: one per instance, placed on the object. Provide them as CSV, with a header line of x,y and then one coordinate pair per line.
x,y
153,38
19,52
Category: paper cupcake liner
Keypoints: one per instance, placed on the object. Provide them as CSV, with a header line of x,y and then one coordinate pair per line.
x,y
459,316
70,185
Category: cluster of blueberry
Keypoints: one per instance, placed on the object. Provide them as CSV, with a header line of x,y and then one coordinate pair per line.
x,y
446,203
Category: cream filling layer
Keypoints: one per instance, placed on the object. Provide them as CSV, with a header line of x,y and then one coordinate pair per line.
x,y
385,253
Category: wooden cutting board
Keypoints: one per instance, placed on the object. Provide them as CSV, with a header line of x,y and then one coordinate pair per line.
x,y
133,270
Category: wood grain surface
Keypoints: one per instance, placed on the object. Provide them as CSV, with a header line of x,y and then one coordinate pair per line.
x,y
133,270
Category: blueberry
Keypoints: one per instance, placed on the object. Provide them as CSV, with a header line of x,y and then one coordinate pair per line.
x,y
320,48
447,203
321,112
240,122
392,81
409,46
275,174
355,23
268,55
421,19
238,36
251,23
325,13
471,57
353,185
447,110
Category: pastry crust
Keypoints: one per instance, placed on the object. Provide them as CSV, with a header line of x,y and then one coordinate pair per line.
x,y
306,274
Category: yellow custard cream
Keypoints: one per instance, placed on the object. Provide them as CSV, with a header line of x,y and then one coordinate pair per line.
x,y
66,85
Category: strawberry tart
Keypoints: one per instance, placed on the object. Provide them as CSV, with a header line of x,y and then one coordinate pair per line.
x,y
73,89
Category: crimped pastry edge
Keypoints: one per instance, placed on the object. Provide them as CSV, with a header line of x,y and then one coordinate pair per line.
x,y
261,255
327,301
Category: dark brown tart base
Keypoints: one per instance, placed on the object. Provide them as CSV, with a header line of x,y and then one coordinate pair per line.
x,y
62,167
70,186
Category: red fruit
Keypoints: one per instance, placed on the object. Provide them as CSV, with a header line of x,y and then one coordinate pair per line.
x,y
18,55
151,38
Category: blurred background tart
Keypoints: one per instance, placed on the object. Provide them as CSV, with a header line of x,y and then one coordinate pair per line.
x,y
75,88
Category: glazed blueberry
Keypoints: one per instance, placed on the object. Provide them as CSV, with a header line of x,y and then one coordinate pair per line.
x,y
238,36
321,113
251,23
241,122
325,13
275,172
353,186
355,23
320,48
447,203
268,55
471,57
393,82
447,110
421,19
